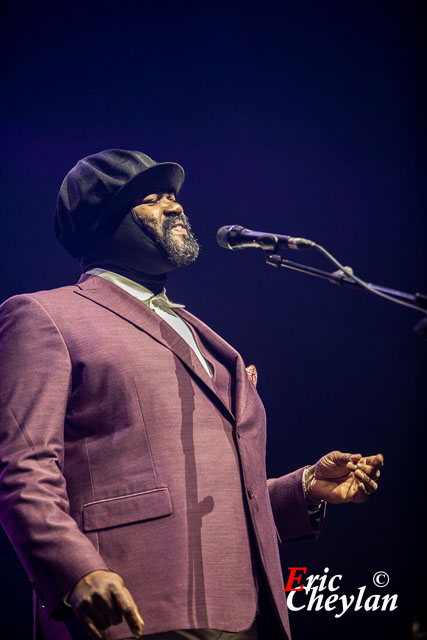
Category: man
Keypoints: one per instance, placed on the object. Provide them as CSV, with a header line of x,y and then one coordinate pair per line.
x,y
133,442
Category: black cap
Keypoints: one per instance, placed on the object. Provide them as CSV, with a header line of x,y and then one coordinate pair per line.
x,y
103,184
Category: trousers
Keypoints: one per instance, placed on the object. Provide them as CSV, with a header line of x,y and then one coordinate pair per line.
x,y
205,634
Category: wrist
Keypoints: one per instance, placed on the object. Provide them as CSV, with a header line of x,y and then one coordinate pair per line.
x,y
308,480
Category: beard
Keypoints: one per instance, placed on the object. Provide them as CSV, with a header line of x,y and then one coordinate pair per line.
x,y
180,249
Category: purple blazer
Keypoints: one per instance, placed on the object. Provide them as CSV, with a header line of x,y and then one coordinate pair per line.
x,y
119,452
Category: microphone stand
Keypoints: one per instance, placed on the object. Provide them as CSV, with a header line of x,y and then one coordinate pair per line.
x,y
340,278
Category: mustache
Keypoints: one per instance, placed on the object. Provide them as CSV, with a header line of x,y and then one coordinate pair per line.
x,y
172,221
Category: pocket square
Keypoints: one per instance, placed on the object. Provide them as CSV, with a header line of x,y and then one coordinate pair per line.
x,y
252,374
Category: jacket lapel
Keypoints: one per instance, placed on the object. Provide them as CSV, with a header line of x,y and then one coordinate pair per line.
x,y
111,297
230,356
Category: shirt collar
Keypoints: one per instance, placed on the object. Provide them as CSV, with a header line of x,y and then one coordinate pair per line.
x,y
137,290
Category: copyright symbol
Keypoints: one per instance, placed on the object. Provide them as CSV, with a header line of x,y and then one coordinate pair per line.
x,y
381,579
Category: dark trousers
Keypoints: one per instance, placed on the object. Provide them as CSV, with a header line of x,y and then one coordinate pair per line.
x,y
205,634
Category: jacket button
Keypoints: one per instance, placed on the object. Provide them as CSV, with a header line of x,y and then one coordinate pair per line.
x,y
39,594
250,493
239,435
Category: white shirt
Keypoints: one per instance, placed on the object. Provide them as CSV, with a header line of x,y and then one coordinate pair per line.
x,y
160,305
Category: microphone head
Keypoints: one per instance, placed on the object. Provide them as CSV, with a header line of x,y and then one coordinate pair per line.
x,y
224,234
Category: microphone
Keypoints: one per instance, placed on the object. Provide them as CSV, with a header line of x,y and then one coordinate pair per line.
x,y
234,237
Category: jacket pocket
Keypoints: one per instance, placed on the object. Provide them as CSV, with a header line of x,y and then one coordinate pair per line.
x,y
134,507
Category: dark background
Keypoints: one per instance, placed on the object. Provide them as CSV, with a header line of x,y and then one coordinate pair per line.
x,y
297,118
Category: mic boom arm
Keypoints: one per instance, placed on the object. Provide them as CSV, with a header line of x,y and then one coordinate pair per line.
x,y
236,237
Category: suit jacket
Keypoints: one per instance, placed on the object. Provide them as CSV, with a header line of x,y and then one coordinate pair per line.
x,y
119,452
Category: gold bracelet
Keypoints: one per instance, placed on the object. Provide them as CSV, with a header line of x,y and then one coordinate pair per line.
x,y
316,504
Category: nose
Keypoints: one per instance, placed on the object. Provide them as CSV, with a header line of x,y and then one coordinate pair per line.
x,y
173,208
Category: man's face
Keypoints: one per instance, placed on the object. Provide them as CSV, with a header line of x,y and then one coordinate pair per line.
x,y
164,219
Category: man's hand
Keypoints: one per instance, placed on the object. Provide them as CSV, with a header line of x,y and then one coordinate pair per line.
x,y
343,477
101,599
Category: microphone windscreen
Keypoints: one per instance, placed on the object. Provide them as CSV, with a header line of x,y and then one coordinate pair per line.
x,y
223,235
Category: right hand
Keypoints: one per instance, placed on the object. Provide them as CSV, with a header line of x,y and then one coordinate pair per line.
x,y
100,599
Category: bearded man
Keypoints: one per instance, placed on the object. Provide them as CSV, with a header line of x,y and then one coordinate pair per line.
x,y
133,441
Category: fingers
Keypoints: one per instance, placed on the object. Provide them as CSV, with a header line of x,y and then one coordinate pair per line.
x,y
368,483
350,460
127,606
98,615
338,457
104,611
353,461
362,494
367,472
370,471
344,477
91,627
100,600
374,461
92,619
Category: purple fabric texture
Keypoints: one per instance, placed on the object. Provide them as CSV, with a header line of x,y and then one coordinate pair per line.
x,y
119,452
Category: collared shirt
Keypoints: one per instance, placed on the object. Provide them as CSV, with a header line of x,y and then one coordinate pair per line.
x,y
160,304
